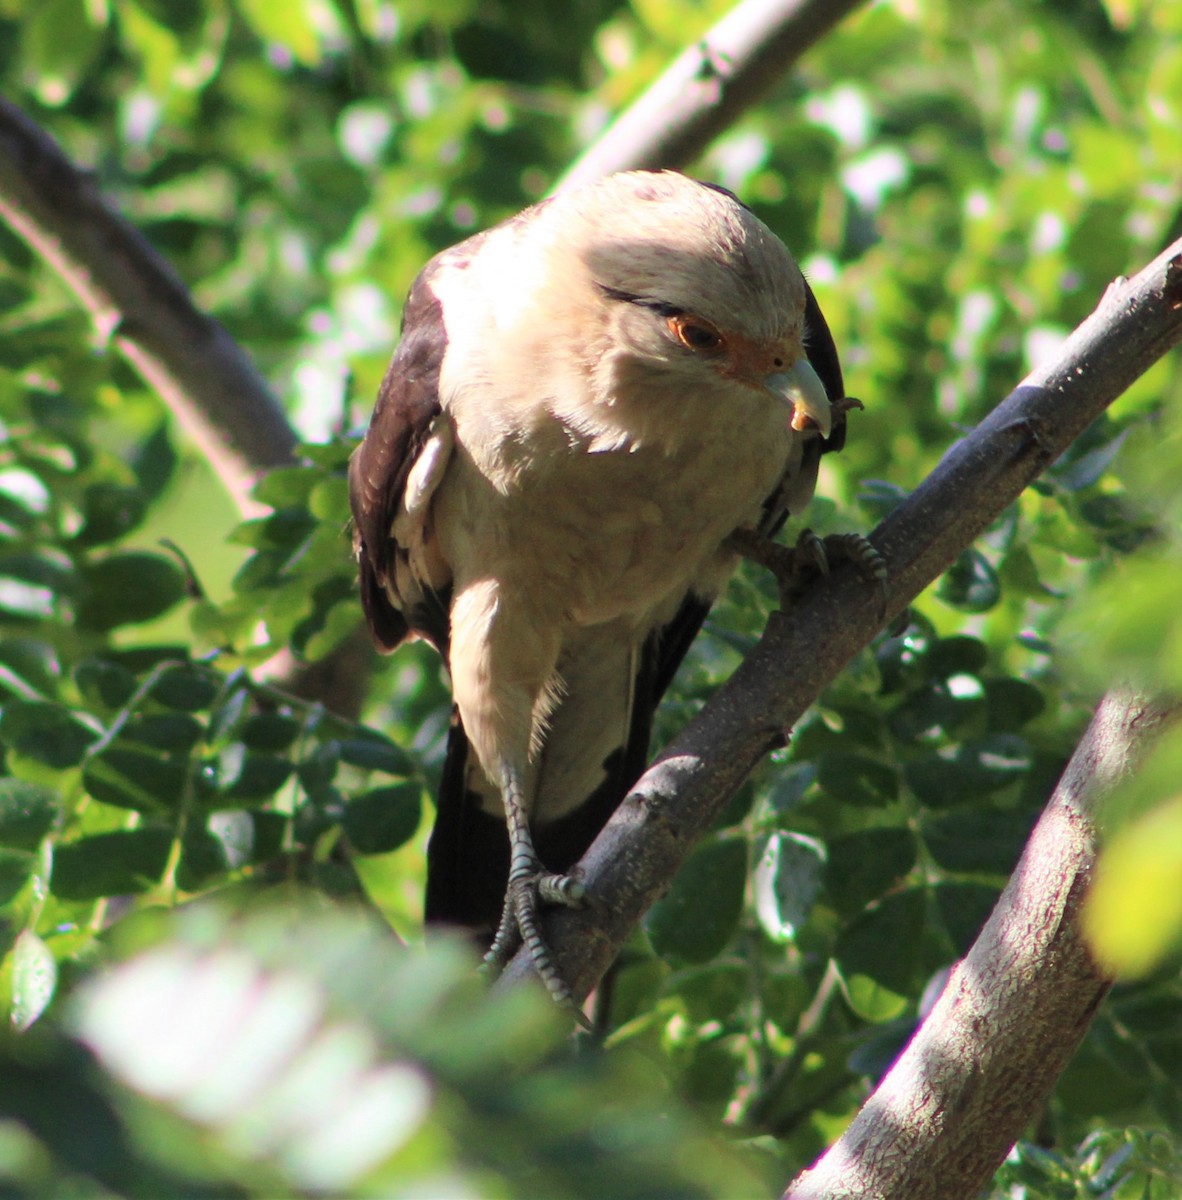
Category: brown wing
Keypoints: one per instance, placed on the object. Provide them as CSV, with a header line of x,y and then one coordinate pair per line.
x,y
408,402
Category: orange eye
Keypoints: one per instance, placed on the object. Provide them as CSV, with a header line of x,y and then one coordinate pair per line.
x,y
695,334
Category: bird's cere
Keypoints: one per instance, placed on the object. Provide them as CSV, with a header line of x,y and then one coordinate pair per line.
x,y
802,388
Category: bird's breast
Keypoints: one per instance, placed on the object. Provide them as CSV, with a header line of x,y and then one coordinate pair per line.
x,y
601,526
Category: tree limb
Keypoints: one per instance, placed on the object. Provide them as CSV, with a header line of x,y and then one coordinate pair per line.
x,y
139,305
709,86
646,841
1013,1012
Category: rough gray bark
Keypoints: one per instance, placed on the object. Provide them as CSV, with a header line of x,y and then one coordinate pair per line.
x,y
1012,1014
708,87
651,834
141,308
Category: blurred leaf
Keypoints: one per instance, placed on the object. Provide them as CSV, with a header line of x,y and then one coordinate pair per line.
x,y
787,881
46,732
863,866
973,770
373,752
1133,914
109,511
269,731
186,687
381,820
27,813
128,589
697,917
110,864
34,979
16,868
987,841
289,24
879,953
134,777
970,584
856,779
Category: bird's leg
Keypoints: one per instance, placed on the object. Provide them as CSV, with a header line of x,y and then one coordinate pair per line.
x,y
528,886
793,566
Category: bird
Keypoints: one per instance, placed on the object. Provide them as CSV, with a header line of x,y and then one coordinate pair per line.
x,y
586,402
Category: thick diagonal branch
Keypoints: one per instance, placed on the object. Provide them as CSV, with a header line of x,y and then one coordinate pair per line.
x,y
140,307
708,87
640,850
1011,1015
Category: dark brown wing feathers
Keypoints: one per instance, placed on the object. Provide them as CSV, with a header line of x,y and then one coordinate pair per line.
x,y
408,402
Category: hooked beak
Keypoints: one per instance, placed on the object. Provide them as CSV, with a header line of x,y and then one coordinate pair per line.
x,y
802,388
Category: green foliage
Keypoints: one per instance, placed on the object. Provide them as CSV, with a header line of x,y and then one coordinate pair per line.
x,y
960,183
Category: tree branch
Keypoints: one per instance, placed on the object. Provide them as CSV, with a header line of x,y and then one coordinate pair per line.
x,y
649,837
139,305
1013,1012
709,86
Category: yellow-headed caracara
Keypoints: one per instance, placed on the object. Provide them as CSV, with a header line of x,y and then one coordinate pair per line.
x,y
586,401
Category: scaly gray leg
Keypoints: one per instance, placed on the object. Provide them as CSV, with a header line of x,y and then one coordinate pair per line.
x,y
529,885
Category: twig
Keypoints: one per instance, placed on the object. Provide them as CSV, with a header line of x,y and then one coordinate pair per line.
x,y
709,86
139,306
1012,1013
640,850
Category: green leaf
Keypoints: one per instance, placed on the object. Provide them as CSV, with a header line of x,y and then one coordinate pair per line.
x,y
970,584
129,776
856,779
107,684
186,687
129,589
60,40
110,864
109,511
288,24
31,583
964,908
269,731
46,732
1133,914
27,813
383,819
287,487
250,775
16,867
985,841
957,656
229,840
970,772
374,752
1012,703
787,881
34,979
32,662
878,955
696,919
177,733
319,769
863,866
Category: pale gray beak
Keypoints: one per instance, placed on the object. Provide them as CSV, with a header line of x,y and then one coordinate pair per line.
x,y
801,386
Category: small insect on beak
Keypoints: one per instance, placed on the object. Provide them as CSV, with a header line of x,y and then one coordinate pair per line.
x,y
802,388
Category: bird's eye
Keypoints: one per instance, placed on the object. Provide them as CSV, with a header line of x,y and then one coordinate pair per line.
x,y
695,334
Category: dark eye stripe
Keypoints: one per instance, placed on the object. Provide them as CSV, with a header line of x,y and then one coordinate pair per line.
x,y
661,307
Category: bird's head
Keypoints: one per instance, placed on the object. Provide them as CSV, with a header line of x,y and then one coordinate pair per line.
x,y
694,286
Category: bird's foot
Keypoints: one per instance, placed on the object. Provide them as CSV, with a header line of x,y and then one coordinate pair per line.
x,y
794,566
519,925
